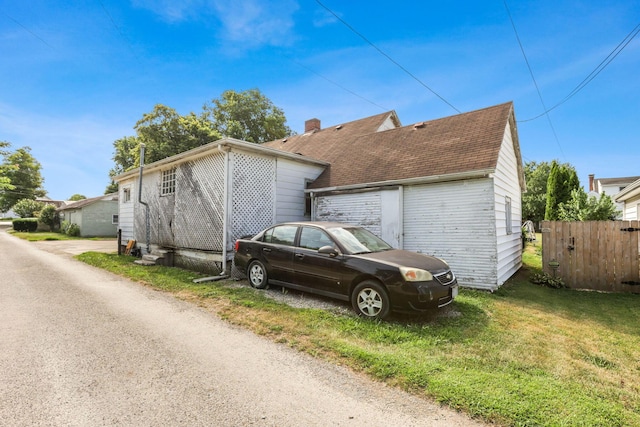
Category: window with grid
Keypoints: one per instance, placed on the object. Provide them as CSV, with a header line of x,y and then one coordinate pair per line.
x,y
507,208
126,195
168,182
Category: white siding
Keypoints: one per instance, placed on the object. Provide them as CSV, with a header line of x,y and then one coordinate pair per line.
x,y
291,181
387,124
631,210
361,209
506,184
126,209
455,221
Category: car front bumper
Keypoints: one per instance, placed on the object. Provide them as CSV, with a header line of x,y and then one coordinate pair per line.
x,y
422,296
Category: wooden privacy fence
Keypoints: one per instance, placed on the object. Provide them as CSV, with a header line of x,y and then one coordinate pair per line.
x,y
598,255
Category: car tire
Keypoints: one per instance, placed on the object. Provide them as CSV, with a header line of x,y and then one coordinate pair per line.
x,y
370,300
257,275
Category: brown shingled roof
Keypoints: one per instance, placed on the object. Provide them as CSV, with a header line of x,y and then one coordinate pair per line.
x,y
461,143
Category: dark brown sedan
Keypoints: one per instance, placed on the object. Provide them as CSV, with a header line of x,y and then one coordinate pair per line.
x,y
348,263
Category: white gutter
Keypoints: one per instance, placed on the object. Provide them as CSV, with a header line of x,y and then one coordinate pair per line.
x,y
204,150
482,173
146,205
225,149
629,191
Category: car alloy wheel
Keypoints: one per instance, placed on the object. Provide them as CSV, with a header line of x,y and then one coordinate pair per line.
x,y
257,275
370,300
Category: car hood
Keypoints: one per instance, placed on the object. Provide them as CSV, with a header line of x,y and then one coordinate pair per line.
x,y
398,257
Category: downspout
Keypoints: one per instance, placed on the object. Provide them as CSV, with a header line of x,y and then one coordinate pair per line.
x,y
146,205
225,217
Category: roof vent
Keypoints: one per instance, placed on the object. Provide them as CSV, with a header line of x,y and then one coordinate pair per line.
x,y
338,127
419,125
284,140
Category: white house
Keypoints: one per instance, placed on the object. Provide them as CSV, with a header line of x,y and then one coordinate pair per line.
x,y
611,187
629,198
449,187
197,203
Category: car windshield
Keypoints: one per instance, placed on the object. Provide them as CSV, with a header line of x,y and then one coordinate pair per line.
x,y
357,240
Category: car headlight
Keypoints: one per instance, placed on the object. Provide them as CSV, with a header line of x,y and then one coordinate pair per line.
x,y
415,274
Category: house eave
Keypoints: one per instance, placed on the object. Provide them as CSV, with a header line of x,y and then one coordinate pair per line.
x,y
206,149
459,176
628,192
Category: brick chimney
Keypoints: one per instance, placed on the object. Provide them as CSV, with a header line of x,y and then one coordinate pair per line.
x,y
311,125
591,176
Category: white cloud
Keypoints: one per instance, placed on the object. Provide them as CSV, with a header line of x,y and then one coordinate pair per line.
x,y
257,22
253,23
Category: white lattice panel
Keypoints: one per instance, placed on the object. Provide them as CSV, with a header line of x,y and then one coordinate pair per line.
x,y
199,199
253,194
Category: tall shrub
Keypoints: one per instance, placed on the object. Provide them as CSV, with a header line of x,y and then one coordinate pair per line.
x,y
563,179
50,217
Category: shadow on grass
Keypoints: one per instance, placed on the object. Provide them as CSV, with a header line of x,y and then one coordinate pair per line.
x,y
612,310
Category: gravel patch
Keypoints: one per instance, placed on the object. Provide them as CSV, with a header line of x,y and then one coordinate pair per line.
x,y
298,299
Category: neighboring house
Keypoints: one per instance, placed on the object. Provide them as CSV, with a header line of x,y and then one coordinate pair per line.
x,y
96,217
449,187
9,214
56,203
611,187
200,201
629,198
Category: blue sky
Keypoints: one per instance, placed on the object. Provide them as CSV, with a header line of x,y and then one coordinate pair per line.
x,y
77,75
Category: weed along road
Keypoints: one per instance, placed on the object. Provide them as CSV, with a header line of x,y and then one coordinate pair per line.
x,y
82,347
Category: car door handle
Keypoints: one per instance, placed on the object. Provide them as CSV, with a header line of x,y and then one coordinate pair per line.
x,y
300,256
266,250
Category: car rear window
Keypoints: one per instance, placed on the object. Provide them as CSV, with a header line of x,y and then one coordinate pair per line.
x,y
281,235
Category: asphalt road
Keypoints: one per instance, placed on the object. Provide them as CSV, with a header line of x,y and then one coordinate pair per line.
x,y
83,347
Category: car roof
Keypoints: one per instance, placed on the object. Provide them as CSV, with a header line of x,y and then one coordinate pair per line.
x,y
320,224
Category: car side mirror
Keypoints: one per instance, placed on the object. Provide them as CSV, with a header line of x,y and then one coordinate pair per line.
x,y
328,250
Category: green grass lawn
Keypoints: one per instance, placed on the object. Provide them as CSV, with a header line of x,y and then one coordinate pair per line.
x,y
525,355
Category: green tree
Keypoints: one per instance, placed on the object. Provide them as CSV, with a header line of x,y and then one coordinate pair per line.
x,y
77,197
5,181
166,133
125,154
23,172
27,208
112,187
582,207
562,180
248,116
534,201
49,216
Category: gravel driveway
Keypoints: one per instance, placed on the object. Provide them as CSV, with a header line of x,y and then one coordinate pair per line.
x,y
75,247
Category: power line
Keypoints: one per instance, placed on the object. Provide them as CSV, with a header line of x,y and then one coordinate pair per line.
x,y
28,30
603,64
553,130
119,31
338,85
387,56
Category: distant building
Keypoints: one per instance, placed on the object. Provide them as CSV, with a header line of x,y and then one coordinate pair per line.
x,y
96,217
610,187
